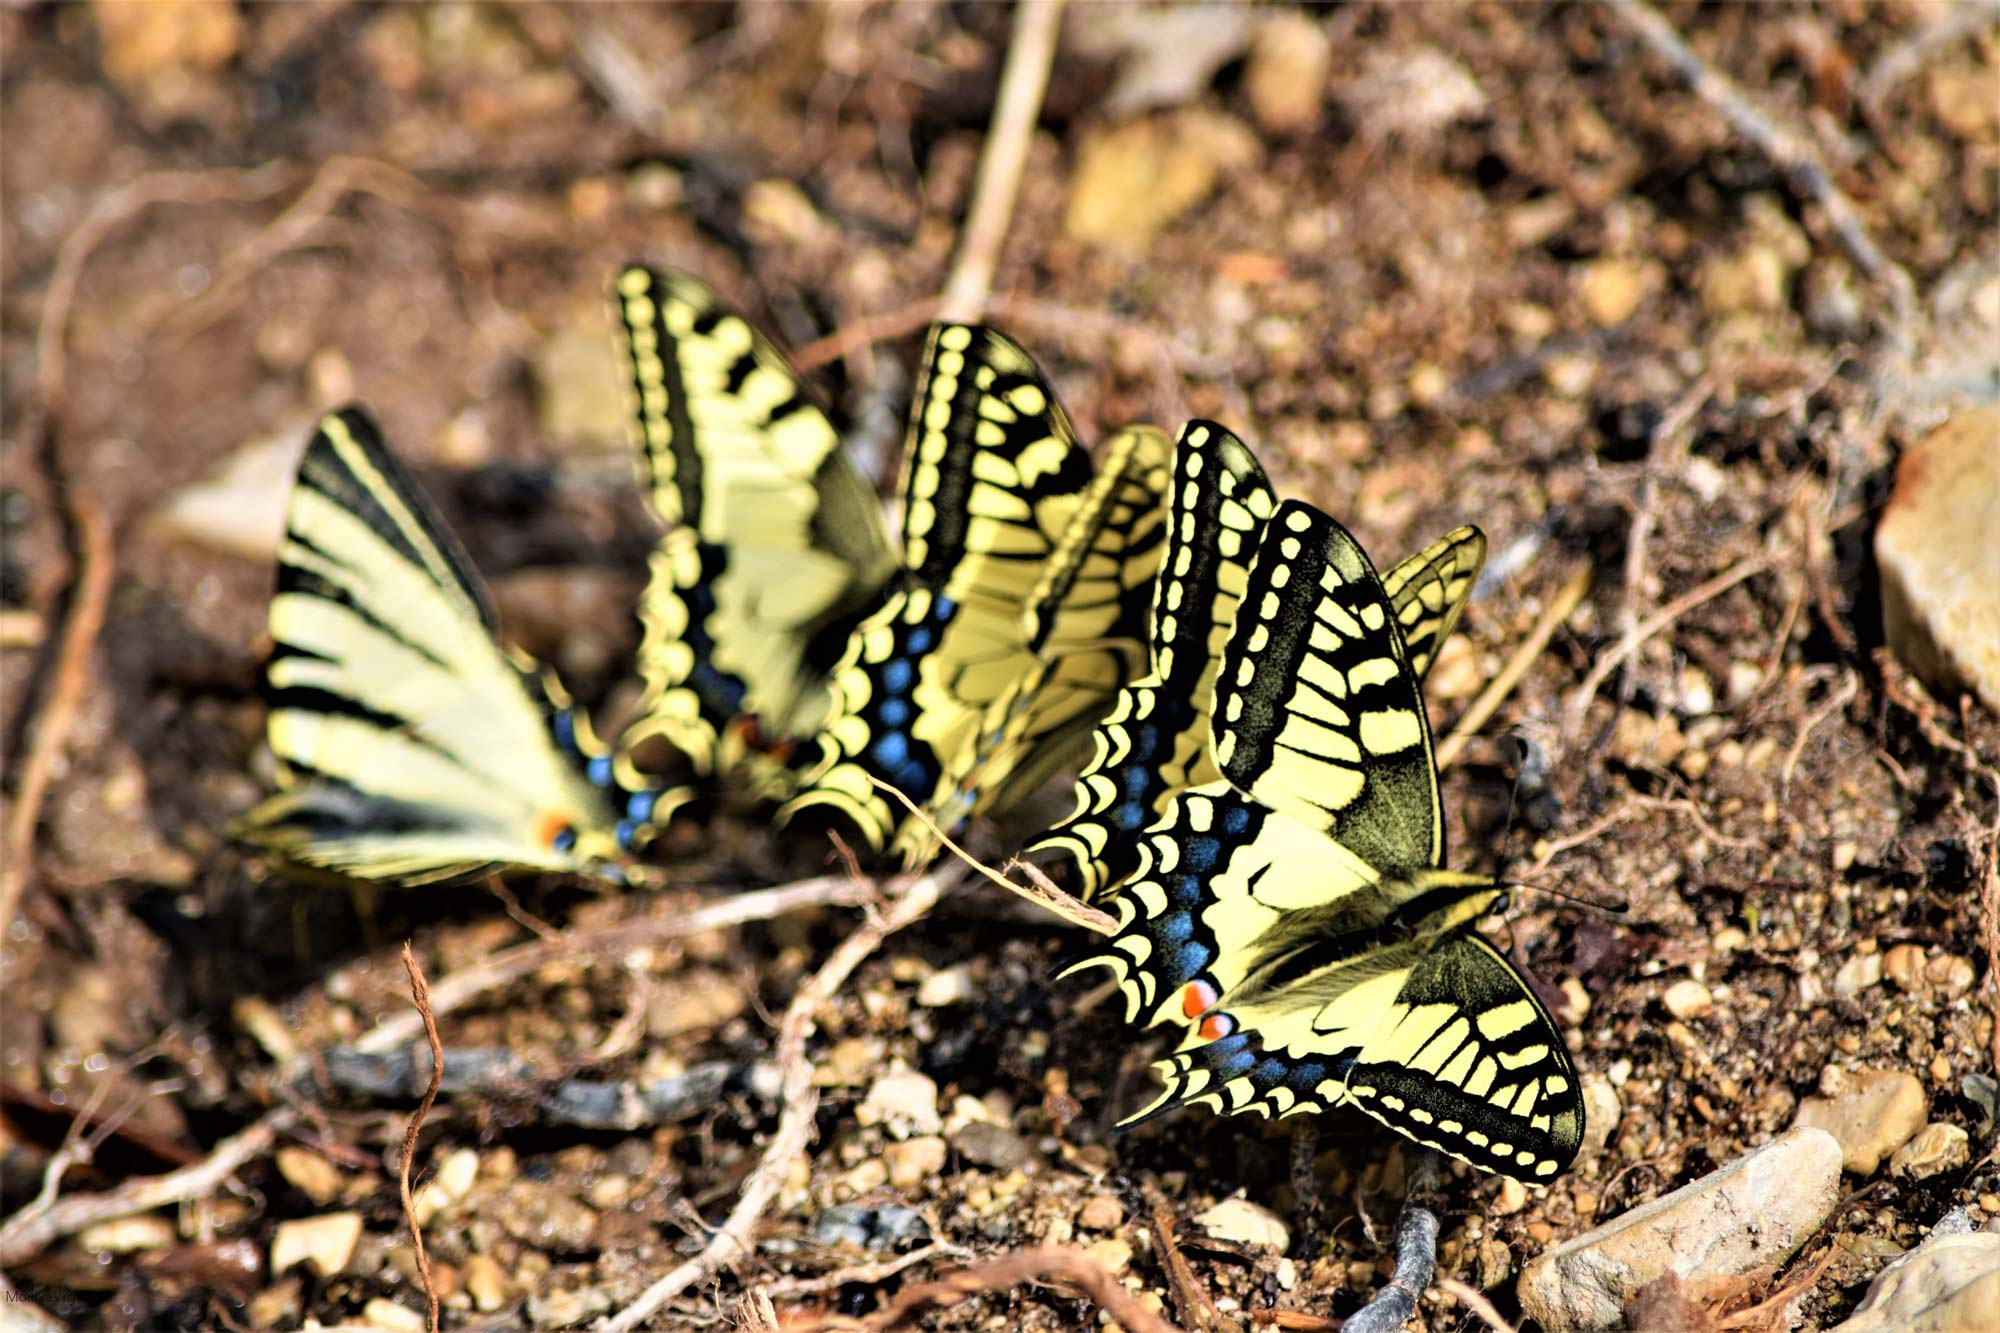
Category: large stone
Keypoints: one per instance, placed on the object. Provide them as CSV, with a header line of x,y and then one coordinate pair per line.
x,y
1870,1115
1940,556
1132,180
1947,1284
1753,1212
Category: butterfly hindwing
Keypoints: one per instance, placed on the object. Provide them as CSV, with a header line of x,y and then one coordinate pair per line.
x,y
773,536
411,745
1470,1062
993,478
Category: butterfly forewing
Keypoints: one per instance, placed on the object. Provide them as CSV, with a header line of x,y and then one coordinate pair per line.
x,y
1316,712
1153,740
773,534
1429,591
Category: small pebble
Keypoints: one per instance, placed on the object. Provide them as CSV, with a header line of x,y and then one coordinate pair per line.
x,y
887,1228
1246,1223
1904,966
914,1161
954,985
903,1102
1102,1213
310,1174
486,1282
984,1143
128,1235
390,1317
1111,1254
1857,974
326,1242
1687,998
869,1175
1513,1197
1938,1147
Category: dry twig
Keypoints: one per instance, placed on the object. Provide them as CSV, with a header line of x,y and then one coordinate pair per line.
x,y
96,562
1843,697
799,1098
1579,702
510,965
22,1238
1030,51
1793,156
1474,1301
1191,1297
1040,890
1476,714
867,1275
420,996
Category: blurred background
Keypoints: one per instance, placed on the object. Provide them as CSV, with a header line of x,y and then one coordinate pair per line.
x,y
1486,263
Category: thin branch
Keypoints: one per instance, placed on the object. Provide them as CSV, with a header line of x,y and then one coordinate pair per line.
x,y
1474,1301
864,332
22,1238
1790,153
502,968
799,1098
1579,702
867,1275
1041,890
1482,708
420,996
1840,700
1030,51
96,562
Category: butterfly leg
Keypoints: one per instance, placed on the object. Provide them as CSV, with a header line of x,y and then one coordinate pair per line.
x,y
1416,1252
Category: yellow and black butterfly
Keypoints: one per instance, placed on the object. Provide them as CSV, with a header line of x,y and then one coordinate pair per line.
x,y
774,542
1296,912
412,747
1154,742
1018,612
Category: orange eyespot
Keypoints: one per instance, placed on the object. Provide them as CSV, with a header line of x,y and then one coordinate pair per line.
x,y
1216,1026
1198,998
552,830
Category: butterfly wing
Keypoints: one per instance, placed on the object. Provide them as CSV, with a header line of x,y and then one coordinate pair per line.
x,y
1086,625
411,745
1153,740
992,477
1430,589
1316,710
773,536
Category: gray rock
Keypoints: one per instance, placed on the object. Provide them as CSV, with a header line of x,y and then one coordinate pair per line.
x,y
866,1228
1949,1283
1753,1212
984,1143
1939,560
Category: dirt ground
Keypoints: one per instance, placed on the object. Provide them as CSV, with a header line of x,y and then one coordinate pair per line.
x,y
1507,270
